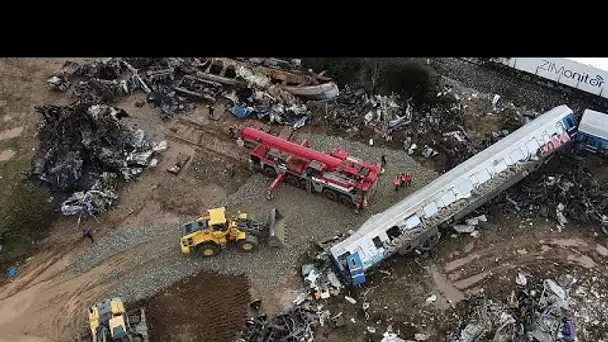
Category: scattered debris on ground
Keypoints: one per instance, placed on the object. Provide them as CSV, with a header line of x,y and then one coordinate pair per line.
x,y
83,149
564,189
270,89
295,325
550,310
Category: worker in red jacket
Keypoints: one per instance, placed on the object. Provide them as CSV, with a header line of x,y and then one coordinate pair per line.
x,y
408,179
397,182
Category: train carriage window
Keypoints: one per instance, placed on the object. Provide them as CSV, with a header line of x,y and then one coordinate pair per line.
x,y
412,221
533,146
474,179
377,242
448,198
483,176
430,209
516,155
491,170
500,165
465,187
439,203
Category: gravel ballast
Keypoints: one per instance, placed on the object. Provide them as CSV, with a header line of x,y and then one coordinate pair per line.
x,y
307,217
498,81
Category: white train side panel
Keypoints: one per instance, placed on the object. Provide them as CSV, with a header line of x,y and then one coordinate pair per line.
x,y
385,233
564,71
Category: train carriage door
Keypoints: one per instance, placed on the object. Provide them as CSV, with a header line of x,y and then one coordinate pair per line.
x,y
355,267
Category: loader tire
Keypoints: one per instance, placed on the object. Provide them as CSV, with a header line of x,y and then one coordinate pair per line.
x,y
248,244
209,249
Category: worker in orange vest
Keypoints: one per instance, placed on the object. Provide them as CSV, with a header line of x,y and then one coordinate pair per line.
x,y
397,182
403,179
408,179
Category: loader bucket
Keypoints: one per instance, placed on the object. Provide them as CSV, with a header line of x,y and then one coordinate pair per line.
x,y
276,229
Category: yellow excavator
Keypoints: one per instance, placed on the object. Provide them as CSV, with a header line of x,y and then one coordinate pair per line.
x,y
214,230
109,322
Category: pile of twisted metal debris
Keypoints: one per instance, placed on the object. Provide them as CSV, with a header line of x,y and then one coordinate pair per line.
x,y
296,325
82,148
550,311
254,86
563,189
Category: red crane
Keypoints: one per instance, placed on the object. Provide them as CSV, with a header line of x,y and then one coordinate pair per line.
x,y
336,175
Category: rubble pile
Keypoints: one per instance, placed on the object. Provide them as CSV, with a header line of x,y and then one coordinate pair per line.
x,y
564,188
175,84
296,325
83,148
433,127
552,310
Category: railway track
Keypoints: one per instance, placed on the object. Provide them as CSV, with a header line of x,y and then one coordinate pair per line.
x,y
531,80
207,139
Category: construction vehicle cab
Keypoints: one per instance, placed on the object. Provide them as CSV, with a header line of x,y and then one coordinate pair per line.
x,y
213,230
109,322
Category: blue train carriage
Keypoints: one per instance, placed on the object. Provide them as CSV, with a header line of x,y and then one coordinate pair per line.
x,y
593,131
414,222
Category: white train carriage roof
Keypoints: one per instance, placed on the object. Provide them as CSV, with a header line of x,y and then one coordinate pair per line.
x,y
395,215
594,123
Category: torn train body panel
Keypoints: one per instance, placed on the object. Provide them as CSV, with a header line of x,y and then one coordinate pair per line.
x,y
413,222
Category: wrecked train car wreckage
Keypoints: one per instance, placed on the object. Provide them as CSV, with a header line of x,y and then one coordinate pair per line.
x,y
81,148
413,223
173,84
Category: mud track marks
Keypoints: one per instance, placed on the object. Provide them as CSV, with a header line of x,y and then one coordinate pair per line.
x,y
207,307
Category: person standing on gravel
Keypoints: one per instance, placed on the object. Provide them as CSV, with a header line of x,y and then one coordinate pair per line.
x,y
211,111
408,179
383,162
86,233
397,182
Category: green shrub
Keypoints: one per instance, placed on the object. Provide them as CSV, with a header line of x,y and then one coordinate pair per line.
x,y
408,77
25,216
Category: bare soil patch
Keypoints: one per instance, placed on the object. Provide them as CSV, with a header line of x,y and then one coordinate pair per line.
x,y
207,307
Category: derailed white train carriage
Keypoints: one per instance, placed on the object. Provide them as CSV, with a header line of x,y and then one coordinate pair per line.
x,y
413,223
563,71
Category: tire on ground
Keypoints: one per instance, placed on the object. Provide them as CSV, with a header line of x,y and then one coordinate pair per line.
x,y
248,244
330,194
293,181
209,249
345,200
269,172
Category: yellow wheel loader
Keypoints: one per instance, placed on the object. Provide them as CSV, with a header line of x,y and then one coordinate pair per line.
x,y
213,230
109,322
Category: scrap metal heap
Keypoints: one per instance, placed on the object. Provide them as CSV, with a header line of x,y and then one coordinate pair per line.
x,y
547,311
564,188
175,84
82,148
296,325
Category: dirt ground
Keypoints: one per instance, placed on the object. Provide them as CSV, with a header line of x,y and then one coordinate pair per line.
x,y
206,307
46,303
